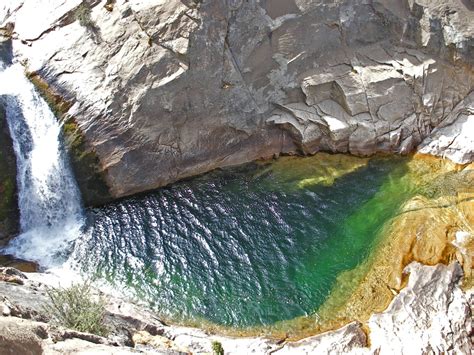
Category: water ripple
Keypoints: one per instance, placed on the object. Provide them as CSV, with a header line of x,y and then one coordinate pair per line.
x,y
236,247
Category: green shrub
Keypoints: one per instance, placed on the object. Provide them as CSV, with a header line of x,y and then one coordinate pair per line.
x,y
75,308
217,348
83,15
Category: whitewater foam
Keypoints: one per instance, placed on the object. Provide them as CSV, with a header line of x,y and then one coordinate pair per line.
x,y
51,214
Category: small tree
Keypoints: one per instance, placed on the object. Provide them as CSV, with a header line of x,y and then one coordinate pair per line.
x,y
75,308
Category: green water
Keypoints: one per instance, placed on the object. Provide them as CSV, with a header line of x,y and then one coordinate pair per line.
x,y
249,246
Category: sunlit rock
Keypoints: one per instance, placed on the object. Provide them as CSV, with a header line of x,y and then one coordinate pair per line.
x,y
183,87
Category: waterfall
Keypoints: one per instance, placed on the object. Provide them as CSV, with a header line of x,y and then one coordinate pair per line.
x,y
51,215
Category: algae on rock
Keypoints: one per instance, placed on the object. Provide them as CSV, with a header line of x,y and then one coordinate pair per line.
x,y
426,230
84,160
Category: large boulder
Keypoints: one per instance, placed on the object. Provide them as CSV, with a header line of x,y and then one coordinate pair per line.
x,y
161,90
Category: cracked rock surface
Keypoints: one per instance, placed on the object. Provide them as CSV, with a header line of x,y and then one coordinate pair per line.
x,y
182,87
425,318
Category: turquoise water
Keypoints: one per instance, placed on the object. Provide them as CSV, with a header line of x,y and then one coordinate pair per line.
x,y
241,247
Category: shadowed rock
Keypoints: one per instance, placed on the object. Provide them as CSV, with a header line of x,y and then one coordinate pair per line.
x,y
9,215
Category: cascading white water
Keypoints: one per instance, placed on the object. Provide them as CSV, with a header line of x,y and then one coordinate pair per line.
x,y
51,215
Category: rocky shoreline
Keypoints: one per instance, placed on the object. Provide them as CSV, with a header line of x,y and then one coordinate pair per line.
x,y
432,313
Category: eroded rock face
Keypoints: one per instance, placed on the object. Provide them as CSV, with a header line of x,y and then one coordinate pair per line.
x,y
9,215
454,137
431,314
167,89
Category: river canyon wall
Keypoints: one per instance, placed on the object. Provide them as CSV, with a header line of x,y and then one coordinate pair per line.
x,y
160,90
9,215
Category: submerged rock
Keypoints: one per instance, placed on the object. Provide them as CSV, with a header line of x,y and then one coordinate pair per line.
x,y
20,264
182,87
433,226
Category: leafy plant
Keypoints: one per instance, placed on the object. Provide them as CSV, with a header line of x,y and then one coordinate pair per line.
x,y
74,307
217,348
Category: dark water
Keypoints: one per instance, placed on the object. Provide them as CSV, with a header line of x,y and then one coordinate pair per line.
x,y
243,247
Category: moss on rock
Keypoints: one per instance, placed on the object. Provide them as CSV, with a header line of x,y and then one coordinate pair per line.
x,y
86,166
56,102
85,162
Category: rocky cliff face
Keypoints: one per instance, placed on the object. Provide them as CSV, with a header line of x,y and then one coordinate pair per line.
x,y
161,90
9,215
